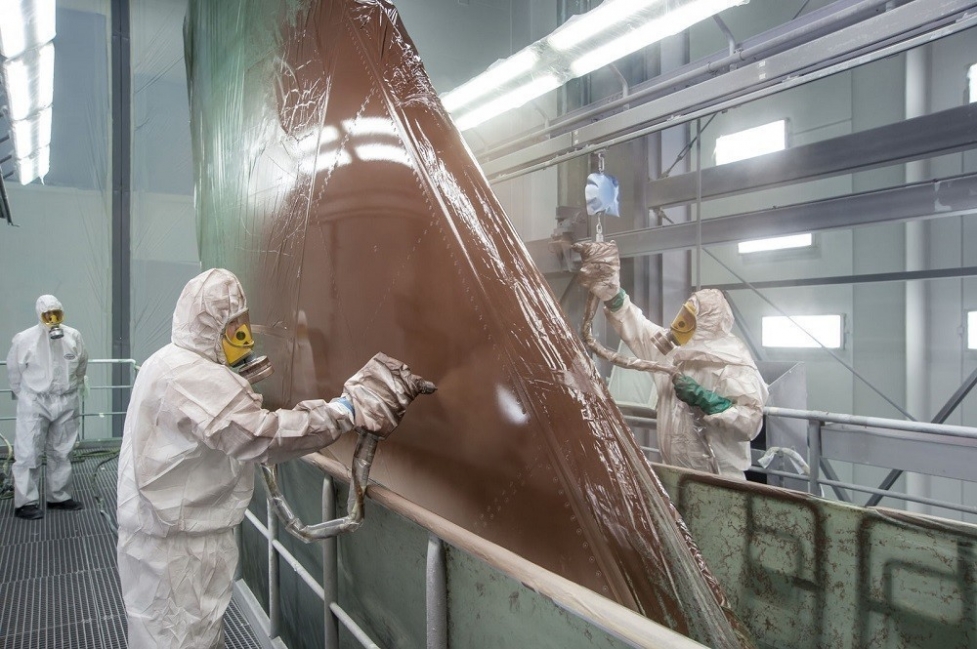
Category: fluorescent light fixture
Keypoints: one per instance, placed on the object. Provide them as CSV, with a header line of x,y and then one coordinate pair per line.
x,y
589,41
802,331
29,80
508,101
972,77
499,74
608,14
776,243
32,133
751,142
972,330
25,24
34,166
650,32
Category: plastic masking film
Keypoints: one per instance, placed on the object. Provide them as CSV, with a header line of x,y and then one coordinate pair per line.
x,y
331,180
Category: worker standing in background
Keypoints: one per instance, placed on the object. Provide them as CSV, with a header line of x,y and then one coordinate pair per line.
x,y
710,410
46,369
193,431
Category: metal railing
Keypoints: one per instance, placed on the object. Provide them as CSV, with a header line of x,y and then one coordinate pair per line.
x,y
436,582
943,440
85,415
606,616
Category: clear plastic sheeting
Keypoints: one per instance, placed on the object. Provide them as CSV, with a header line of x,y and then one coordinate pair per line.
x,y
330,179
164,248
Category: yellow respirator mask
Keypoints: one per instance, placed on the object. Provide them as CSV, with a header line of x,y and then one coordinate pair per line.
x,y
683,326
52,320
238,346
681,330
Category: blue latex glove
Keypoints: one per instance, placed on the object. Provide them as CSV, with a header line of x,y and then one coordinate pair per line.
x,y
687,390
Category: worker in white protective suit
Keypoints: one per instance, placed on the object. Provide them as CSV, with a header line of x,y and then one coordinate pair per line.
x,y
710,410
46,369
193,431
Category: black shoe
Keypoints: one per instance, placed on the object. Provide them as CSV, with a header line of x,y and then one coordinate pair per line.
x,y
29,512
70,504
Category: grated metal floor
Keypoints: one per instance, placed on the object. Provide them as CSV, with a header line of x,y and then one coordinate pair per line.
x,y
59,585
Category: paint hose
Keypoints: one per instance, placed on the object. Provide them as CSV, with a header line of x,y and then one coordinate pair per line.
x,y
366,447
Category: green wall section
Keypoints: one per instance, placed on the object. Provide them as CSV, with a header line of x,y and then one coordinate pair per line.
x,y
803,572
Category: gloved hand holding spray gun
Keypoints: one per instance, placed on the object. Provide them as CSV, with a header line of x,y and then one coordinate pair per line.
x,y
377,396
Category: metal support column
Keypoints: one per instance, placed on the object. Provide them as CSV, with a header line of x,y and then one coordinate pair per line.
x,y
121,203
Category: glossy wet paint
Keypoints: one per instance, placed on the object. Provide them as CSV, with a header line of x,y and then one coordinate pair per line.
x,y
329,178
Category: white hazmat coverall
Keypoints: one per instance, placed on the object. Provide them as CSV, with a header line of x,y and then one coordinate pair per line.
x,y
718,361
193,430
45,376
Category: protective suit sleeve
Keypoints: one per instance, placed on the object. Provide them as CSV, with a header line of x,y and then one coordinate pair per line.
x,y
220,409
13,368
743,386
82,361
635,330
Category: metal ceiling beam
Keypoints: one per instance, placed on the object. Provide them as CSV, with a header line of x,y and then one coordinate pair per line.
x,y
954,196
839,51
950,197
945,132
867,278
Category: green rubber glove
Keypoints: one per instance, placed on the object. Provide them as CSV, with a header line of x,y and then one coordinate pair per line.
x,y
694,394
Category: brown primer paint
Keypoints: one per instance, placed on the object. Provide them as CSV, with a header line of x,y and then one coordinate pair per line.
x,y
332,181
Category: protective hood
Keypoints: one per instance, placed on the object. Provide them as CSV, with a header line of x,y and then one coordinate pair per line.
x,y
713,318
46,303
713,340
205,306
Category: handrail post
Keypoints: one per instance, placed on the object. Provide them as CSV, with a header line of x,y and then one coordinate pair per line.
x,y
274,604
437,595
814,455
81,437
330,569
239,540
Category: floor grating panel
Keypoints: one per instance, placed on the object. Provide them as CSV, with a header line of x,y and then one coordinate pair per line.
x,y
59,585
